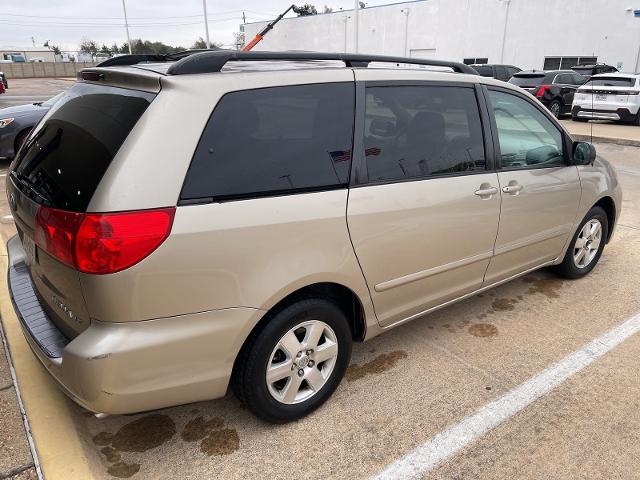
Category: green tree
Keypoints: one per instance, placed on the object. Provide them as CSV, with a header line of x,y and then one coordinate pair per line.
x,y
306,10
199,43
88,46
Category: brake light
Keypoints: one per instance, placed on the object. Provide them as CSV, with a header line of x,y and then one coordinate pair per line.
x,y
542,90
102,243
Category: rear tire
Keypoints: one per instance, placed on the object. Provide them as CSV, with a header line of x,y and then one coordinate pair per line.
x,y
294,364
636,122
586,245
555,107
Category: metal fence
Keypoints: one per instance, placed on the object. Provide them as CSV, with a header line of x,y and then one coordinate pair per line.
x,y
43,69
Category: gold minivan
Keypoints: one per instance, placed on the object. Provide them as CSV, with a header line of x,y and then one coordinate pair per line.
x,y
229,218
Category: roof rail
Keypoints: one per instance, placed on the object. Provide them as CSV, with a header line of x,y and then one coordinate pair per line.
x,y
213,61
135,58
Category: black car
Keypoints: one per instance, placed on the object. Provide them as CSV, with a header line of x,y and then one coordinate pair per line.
x,y
499,72
17,122
554,88
587,71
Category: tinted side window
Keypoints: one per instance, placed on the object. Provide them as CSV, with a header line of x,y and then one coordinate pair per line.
x,y
274,140
415,132
527,137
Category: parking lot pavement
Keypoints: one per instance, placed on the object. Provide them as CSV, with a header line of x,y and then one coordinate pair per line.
x,y
30,90
604,131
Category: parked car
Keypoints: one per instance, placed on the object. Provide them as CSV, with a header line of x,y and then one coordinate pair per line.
x,y
17,122
3,80
152,269
587,71
499,72
554,88
610,96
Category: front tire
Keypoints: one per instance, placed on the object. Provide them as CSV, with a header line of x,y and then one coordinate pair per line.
x,y
294,364
586,245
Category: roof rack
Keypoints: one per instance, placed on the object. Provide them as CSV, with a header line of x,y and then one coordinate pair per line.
x,y
136,58
213,61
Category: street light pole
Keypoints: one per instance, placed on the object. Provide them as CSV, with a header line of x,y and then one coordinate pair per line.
x,y
504,32
356,19
206,23
126,25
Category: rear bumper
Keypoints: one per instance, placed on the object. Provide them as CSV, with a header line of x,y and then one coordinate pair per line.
x,y
130,367
623,114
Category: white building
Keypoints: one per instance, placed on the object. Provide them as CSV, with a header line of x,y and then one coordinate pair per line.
x,y
529,34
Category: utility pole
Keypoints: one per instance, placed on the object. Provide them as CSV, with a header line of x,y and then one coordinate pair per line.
x,y
126,26
504,32
33,40
206,23
356,9
244,18
406,31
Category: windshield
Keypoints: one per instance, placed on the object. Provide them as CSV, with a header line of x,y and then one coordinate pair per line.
x,y
527,80
68,152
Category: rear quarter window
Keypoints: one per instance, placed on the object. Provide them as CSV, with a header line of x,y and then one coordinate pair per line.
x,y
67,154
273,141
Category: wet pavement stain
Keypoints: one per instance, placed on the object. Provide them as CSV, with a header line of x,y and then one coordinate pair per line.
x,y
380,364
504,304
197,429
144,433
123,469
111,454
483,330
549,287
103,438
221,442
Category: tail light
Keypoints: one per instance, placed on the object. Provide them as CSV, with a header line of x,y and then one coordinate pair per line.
x,y
102,243
542,90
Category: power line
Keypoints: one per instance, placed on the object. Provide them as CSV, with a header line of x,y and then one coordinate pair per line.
x,y
200,15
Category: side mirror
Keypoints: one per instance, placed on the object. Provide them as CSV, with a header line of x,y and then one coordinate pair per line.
x,y
584,153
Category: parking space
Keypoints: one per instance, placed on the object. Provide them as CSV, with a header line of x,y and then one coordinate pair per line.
x,y
30,90
401,390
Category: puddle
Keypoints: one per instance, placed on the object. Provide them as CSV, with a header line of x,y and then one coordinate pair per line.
x,y
503,304
144,433
380,364
196,429
123,469
220,442
549,287
483,330
111,454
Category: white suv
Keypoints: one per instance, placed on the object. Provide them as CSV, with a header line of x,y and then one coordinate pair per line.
x,y
608,96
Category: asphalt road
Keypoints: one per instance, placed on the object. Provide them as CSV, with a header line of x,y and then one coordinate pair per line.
x,y
421,381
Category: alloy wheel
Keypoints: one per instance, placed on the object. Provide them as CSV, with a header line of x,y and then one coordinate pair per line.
x,y
587,244
302,362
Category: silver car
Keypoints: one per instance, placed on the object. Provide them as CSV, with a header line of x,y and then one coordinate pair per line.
x,y
242,218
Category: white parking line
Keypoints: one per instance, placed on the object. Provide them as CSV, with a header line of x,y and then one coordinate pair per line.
x,y
429,455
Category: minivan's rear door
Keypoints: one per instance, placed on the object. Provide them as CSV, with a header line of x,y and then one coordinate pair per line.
x,y
57,170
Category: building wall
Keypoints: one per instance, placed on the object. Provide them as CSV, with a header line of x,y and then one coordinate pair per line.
x,y
457,29
46,55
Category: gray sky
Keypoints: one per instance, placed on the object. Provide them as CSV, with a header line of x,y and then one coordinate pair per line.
x,y
66,22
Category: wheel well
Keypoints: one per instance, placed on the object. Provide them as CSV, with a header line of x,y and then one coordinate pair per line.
x,y
342,296
606,203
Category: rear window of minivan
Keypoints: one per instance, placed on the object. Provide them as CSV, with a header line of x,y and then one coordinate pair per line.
x,y
67,154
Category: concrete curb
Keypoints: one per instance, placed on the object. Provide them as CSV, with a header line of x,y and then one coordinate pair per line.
x,y
596,139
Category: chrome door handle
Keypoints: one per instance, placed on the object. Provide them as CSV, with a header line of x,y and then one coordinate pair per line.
x,y
513,189
484,192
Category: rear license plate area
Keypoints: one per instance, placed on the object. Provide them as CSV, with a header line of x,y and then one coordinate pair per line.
x,y
29,249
